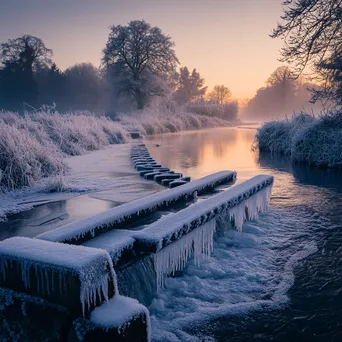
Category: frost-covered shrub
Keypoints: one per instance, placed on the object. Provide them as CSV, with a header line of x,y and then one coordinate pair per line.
x,y
23,159
148,122
305,138
33,146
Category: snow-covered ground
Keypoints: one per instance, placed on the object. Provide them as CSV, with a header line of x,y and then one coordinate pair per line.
x,y
104,175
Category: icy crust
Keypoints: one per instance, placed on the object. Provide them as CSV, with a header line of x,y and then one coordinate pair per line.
x,y
115,242
117,312
241,202
93,267
175,256
105,221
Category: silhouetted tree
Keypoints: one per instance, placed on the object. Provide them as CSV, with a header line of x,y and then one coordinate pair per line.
x,y
188,86
84,88
52,87
330,74
282,95
139,55
220,94
311,30
20,58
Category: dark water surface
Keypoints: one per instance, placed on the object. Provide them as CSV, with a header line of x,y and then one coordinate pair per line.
x,y
281,278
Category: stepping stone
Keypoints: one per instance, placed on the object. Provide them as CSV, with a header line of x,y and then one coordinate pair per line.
x,y
151,175
176,183
159,178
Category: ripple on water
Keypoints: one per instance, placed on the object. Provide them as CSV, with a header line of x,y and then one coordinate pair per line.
x,y
248,271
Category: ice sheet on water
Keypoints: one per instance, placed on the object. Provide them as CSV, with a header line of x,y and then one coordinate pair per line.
x,y
92,266
121,213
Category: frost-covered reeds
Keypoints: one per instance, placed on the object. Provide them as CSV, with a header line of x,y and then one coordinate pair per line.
x,y
34,145
149,123
305,138
226,111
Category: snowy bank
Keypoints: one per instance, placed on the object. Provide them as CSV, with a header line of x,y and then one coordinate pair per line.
x,y
304,138
33,146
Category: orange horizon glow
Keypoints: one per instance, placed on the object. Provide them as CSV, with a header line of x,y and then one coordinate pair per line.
x,y
227,41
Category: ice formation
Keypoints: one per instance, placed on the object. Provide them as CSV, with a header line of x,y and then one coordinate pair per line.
x,y
107,220
252,194
114,242
118,312
93,267
175,256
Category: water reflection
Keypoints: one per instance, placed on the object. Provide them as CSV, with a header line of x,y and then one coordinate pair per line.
x,y
49,216
203,152
305,208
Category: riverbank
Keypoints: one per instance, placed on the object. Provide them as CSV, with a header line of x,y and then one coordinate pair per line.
x,y
316,141
34,147
105,178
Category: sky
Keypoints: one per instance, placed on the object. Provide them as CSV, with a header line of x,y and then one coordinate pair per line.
x,y
227,41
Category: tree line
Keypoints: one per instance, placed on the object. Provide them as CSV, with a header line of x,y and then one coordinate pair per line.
x,y
138,64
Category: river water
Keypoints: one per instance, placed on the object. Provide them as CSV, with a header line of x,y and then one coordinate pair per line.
x,y
278,280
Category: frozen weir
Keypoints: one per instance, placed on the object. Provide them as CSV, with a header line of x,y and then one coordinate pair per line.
x,y
74,276
87,229
176,237
75,287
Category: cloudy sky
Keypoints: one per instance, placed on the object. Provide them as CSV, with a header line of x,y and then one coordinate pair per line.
x,y
227,41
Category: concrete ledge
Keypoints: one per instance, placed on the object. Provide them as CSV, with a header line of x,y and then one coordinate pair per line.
x,y
76,277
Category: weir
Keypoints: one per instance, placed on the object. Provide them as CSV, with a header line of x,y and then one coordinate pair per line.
x,y
118,217
68,273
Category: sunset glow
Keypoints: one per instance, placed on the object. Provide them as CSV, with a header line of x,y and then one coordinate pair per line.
x,y
217,37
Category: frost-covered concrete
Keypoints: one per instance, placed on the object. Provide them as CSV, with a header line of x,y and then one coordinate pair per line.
x,y
88,228
234,200
74,276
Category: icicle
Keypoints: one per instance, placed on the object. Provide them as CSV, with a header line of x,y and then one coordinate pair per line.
x,y
250,208
174,257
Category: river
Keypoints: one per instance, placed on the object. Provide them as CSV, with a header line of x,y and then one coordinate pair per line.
x,y
278,280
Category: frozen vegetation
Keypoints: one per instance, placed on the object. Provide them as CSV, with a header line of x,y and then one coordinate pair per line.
x,y
34,146
305,138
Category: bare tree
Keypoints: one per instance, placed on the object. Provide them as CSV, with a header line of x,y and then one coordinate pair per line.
x,y
281,75
220,94
28,52
20,59
312,33
139,54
